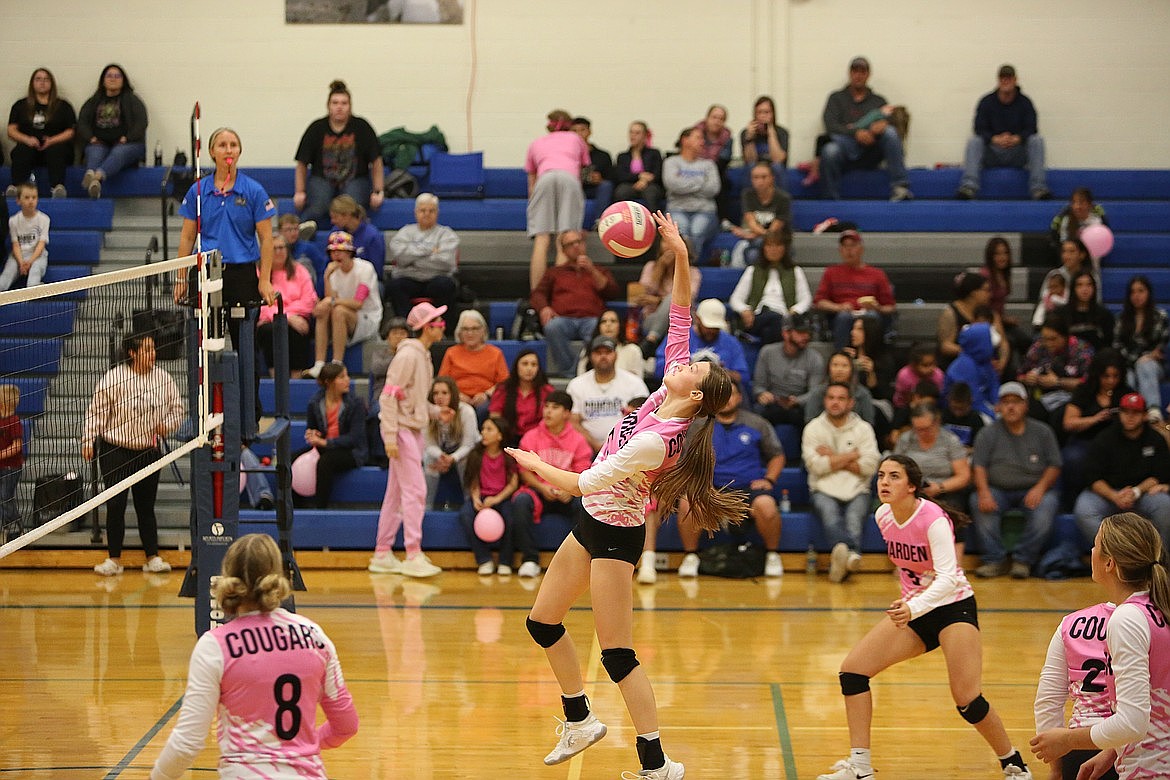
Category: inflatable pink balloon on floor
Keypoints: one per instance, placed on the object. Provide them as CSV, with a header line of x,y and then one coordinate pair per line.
x,y
1098,239
489,525
304,473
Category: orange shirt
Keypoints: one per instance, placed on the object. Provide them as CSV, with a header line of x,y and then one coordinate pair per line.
x,y
474,371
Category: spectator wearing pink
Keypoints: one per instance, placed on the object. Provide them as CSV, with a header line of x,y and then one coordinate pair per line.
x,y
556,200
922,365
853,289
404,411
294,284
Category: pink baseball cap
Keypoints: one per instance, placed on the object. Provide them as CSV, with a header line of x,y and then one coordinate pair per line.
x,y
422,313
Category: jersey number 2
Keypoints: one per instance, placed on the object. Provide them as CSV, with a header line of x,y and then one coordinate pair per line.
x,y
287,692
1092,667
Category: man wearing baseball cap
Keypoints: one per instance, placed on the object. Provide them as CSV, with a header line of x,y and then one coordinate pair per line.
x,y
786,371
853,289
1017,463
709,334
601,396
857,121
1005,136
1128,470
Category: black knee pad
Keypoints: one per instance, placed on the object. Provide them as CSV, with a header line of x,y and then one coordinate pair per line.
x,y
976,711
852,684
619,662
546,635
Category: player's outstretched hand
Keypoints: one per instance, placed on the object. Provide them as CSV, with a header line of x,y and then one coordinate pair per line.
x,y
526,459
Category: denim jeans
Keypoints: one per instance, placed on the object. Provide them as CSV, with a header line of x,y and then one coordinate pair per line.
x,y
1146,376
1030,155
698,226
842,519
111,159
319,193
255,485
844,149
1037,525
559,332
1091,509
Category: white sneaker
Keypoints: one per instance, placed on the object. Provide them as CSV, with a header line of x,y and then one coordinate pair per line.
x,y
1013,772
647,575
854,562
86,180
839,562
671,770
315,369
843,770
504,570
108,568
575,736
529,569
485,568
385,563
420,566
689,566
156,565
307,230
773,565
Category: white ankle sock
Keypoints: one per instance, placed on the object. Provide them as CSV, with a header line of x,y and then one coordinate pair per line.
x,y
859,757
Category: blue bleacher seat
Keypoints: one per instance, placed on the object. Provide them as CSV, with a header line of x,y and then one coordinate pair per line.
x,y
789,436
1135,250
456,176
512,349
30,356
59,273
74,213
505,183
75,246
34,391
296,433
37,318
1114,282
718,283
299,393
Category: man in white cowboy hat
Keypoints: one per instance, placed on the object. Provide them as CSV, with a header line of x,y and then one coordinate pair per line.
x,y
404,412
351,309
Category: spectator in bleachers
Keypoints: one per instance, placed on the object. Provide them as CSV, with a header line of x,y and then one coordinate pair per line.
x,y
637,172
959,415
921,364
475,365
710,339
556,442
1087,319
786,372
308,254
256,492
112,126
971,303
942,458
520,398
595,177
41,127
134,404
840,370
840,451
748,458
601,395
717,149
351,310
857,120
11,457
1140,335
424,257
338,154
656,279
1074,258
765,141
1016,466
1006,135
29,251
1090,411
336,429
853,289
1056,364
997,267
975,367
872,360
692,184
766,209
1127,470
556,201
925,392
1079,213
770,289
447,443
569,298
629,355
491,479
292,281
368,242
1053,296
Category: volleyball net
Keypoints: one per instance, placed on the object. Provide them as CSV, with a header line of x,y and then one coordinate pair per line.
x,y
87,362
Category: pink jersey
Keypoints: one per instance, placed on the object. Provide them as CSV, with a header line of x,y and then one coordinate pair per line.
x,y
1150,756
560,151
616,488
923,549
1090,678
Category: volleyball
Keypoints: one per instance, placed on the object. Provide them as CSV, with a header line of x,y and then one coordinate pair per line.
x,y
626,228
489,525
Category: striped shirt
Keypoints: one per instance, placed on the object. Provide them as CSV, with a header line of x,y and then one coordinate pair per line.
x,y
128,407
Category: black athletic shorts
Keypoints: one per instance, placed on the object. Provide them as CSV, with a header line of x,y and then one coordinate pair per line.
x,y
602,540
930,625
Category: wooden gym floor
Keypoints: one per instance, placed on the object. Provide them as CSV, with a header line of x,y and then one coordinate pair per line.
x,y
449,685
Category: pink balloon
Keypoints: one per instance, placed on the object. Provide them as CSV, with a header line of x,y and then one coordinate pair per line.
x,y
1098,239
304,473
489,525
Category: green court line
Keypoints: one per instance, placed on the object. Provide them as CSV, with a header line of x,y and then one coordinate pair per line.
x,y
782,729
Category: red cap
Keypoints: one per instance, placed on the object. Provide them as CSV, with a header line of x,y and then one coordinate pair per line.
x,y
1133,402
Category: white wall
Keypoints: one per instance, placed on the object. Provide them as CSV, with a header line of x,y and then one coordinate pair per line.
x,y
1097,70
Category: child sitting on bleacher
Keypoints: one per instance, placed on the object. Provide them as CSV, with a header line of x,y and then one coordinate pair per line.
x,y
490,479
1054,296
447,444
29,231
921,364
959,415
11,456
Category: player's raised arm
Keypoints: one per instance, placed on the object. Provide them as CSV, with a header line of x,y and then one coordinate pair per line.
x,y
681,292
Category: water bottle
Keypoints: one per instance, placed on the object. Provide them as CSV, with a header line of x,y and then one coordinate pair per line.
x,y
785,504
810,560
499,333
158,154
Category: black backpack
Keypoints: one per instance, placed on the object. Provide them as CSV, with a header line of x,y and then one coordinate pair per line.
x,y
734,560
400,184
526,323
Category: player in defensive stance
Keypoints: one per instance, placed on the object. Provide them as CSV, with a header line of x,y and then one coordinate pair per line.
x,y
642,458
1129,563
936,609
264,674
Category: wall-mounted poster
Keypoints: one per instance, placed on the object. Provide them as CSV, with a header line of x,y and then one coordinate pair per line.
x,y
373,11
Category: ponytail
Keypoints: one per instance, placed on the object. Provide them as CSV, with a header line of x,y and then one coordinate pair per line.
x,y
1135,546
1160,586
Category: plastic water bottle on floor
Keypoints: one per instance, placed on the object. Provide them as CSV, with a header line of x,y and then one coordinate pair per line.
x,y
810,560
785,504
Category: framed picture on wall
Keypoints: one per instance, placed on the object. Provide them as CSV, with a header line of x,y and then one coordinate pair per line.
x,y
373,11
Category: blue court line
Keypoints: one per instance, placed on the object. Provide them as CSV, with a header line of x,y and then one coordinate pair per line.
x,y
782,728
143,741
